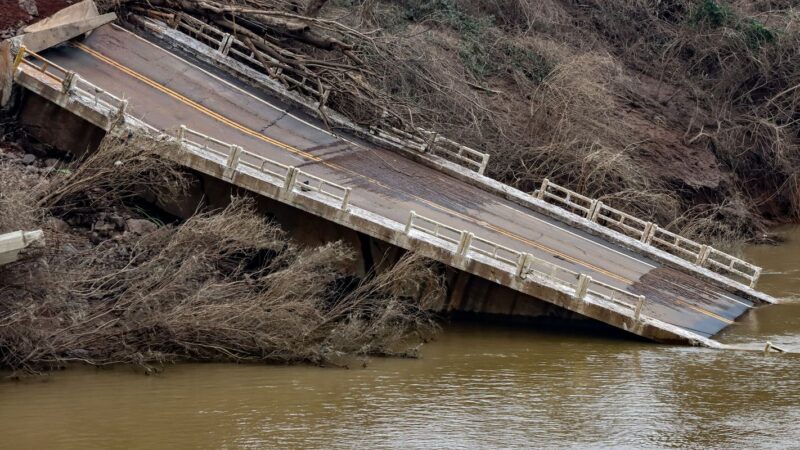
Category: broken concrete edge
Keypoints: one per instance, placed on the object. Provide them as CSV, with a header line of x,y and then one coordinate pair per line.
x,y
62,26
11,244
381,228
177,40
41,40
73,13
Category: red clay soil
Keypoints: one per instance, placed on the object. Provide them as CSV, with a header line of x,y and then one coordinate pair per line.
x,y
12,16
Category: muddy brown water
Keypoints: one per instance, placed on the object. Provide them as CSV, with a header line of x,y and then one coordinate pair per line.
x,y
476,386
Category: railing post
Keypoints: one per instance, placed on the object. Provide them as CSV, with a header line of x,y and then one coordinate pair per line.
x,y
225,44
410,222
175,21
182,133
582,288
484,163
346,198
18,59
542,189
123,106
755,277
702,255
647,232
594,210
637,312
429,143
464,243
291,178
232,163
652,234
97,92
68,83
522,263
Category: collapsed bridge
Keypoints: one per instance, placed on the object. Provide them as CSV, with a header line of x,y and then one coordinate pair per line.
x,y
202,88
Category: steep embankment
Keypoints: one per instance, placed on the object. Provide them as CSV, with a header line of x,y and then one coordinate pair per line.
x,y
682,111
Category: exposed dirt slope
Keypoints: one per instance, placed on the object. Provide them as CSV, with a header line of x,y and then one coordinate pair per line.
x,y
16,14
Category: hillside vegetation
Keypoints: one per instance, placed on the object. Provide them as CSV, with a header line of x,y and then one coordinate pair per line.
x,y
680,111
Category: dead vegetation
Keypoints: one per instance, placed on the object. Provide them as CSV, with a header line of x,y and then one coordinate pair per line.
x,y
679,111
221,286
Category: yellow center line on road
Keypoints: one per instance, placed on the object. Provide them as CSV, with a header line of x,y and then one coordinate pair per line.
x,y
197,106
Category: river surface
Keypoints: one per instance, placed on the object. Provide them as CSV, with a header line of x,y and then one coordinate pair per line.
x,y
474,387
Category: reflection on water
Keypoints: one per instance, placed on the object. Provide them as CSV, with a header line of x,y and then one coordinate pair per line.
x,y
475,386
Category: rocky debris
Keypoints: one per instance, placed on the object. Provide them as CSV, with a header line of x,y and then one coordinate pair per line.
x,y
29,6
140,226
95,224
58,225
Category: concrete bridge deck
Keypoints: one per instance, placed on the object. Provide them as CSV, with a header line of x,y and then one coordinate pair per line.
x,y
166,91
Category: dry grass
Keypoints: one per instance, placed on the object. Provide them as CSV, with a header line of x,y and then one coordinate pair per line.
x,y
723,76
221,286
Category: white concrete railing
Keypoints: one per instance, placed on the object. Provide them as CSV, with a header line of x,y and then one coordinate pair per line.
x,y
69,81
648,232
291,178
524,265
425,142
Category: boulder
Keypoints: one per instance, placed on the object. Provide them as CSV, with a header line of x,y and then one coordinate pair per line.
x,y
140,226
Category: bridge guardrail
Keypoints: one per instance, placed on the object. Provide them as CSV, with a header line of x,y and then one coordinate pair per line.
x,y
44,66
525,265
230,45
291,178
68,80
648,232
